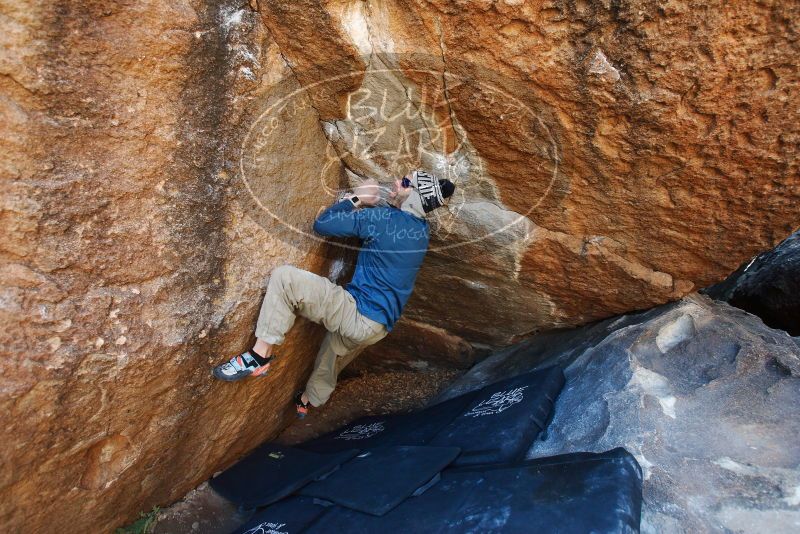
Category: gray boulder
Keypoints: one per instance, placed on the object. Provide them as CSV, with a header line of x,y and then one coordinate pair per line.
x,y
703,394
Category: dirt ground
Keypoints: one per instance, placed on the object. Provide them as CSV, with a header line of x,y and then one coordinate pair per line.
x,y
203,511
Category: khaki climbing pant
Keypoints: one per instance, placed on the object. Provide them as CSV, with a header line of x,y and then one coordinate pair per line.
x,y
292,291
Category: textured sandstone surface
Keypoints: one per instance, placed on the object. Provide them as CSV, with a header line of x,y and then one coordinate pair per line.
x,y
161,157
128,264
416,346
703,394
610,155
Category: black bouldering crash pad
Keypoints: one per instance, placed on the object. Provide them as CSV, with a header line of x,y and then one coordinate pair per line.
x,y
573,493
381,478
503,419
361,433
403,429
272,472
290,515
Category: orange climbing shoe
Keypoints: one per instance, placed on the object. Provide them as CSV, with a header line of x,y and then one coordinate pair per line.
x,y
301,407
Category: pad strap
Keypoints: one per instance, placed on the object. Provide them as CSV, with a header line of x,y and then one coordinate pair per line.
x,y
252,356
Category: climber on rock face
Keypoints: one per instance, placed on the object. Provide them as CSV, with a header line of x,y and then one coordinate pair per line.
x,y
394,242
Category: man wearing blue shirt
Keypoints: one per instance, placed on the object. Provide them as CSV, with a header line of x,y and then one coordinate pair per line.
x,y
394,242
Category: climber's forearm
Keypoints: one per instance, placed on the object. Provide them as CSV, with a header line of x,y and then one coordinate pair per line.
x,y
338,220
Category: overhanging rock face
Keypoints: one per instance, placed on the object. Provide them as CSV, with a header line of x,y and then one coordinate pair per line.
x,y
607,158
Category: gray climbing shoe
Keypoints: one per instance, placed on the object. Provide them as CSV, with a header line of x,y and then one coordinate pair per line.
x,y
246,364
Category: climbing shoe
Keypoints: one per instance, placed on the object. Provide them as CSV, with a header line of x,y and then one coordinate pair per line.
x,y
246,364
301,407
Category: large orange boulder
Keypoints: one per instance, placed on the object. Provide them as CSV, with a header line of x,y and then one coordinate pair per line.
x,y
162,157
608,157
129,263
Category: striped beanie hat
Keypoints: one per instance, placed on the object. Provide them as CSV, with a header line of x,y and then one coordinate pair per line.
x,y
432,190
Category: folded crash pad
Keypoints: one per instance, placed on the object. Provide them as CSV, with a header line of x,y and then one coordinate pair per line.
x,y
290,515
503,419
272,472
404,429
379,479
573,493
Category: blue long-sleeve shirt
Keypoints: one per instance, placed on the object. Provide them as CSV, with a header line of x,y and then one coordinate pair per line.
x,y
393,246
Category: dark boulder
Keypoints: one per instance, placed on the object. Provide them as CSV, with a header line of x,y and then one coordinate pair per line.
x,y
768,286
